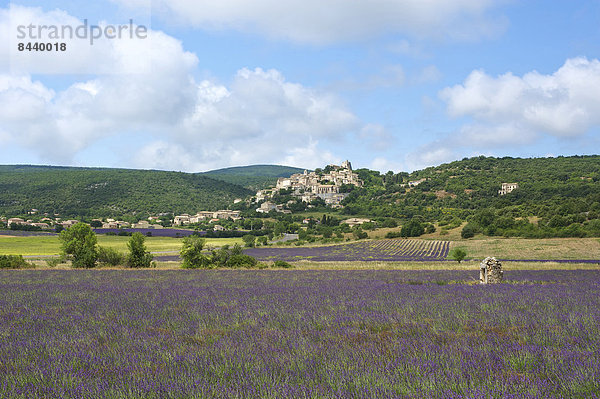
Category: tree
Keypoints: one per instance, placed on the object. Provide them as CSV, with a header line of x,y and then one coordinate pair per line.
x,y
96,223
327,232
458,254
359,234
79,242
138,255
280,228
412,229
249,240
191,253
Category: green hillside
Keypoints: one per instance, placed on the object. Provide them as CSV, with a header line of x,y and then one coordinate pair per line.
x,y
253,177
103,192
556,196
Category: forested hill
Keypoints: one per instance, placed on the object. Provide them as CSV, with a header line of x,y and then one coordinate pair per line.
x,y
543,175
100,192
253,177
555,193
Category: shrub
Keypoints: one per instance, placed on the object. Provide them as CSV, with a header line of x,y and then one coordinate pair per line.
x,y
241,260
430,229
368,226
110,256
389,223
220,257
14,262
232,257
468,231
53,262
249,240
138,256
282,264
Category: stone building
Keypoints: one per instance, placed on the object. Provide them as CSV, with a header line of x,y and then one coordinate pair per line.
x,y
490,271
508,188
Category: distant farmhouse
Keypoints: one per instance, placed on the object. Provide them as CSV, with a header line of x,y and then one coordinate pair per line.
x,y
415,183
356,221
508,188
308,186
268,206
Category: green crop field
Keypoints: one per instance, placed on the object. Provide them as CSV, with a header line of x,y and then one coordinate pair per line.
x,y
523,248
44,246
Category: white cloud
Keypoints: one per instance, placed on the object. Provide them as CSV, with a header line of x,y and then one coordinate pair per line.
x,y
258,117
509,111
125,54
57,125
315,21
261,116
164,155
563,104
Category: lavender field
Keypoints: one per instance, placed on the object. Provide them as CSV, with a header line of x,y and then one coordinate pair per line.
x,y
372,250
298,334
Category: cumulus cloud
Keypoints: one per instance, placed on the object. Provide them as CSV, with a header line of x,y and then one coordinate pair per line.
x,y
131,54
135,95
563,104
260,116
508,111
256,117
318,22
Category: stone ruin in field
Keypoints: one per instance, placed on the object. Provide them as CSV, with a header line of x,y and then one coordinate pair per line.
x,y
490,271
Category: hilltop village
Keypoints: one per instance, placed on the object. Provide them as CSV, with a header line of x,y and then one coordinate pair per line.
x,y
327,184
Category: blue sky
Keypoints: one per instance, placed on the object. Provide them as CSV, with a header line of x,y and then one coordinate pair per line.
x,y
389,84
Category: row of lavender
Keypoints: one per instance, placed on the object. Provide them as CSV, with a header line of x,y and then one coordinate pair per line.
x,y
377,250
288,334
